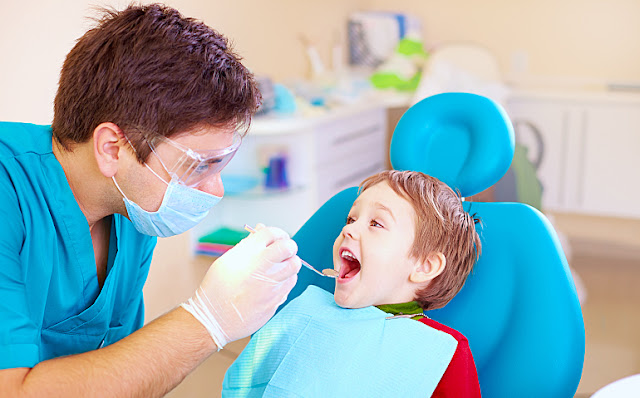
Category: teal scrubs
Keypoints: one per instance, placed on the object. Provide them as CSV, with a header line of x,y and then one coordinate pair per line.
x,y
50,301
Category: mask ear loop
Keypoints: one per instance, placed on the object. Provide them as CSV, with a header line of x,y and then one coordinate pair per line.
x,y
159,159
118,186
145,163
172,175
156,174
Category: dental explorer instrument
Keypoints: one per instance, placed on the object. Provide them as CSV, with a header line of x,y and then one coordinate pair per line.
x,y
328,272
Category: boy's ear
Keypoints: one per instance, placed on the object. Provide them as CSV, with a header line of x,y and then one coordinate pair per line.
x,y
429,269
107,147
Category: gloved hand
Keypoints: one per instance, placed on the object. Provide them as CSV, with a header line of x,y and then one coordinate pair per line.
x,y
243,288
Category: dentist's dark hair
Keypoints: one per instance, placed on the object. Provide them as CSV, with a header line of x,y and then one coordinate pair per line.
x,y
153,73
441,225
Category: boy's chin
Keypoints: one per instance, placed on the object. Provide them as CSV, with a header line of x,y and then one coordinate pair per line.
x,y
341,305
341,300
344,302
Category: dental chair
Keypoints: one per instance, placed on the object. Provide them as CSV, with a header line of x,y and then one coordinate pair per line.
x,y
519,308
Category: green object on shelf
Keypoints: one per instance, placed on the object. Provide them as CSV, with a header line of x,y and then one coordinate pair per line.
x,y
403,69
411,47
384,80
411,84
225,236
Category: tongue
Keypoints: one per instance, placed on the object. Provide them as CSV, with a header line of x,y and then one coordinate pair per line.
x,y
352,273
352,269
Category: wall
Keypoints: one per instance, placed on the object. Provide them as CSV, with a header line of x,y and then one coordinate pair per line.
x,y
565,42
568,42
37,34
267,33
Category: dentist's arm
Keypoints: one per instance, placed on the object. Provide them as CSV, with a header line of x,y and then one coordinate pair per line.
x,y
239,293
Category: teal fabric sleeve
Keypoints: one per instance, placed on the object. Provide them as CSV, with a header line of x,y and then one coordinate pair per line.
x,y
18,331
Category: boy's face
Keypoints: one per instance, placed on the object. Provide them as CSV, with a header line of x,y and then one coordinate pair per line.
x,y
372,251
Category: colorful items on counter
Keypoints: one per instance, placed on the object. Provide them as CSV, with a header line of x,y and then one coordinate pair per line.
x,y
276,172
219,241
285,100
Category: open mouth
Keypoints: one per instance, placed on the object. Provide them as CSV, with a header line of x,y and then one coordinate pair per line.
x,y
350,264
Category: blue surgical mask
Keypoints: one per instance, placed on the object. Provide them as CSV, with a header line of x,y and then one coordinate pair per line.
x,y
182,208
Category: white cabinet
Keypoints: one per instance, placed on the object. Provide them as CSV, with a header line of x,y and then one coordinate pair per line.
x,y
591,143
551,120
325,154
611,162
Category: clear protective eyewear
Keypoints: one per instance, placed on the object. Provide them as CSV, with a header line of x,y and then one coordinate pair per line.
x,y
194,167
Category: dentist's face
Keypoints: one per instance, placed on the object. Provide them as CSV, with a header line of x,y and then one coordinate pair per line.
x,y
372,251
147,190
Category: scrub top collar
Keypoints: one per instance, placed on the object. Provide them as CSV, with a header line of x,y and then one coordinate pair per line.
x,y
79,234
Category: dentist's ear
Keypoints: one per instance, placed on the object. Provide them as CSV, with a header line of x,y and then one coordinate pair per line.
x,y
429,269
107,147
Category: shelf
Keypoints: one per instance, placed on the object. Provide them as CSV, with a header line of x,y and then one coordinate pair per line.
x,y
262,192
291,124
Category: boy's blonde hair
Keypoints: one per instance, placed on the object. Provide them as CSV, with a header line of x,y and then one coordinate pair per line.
x,y
441,225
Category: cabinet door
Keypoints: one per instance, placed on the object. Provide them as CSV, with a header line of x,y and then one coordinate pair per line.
x,y
552,120
348,150
610,180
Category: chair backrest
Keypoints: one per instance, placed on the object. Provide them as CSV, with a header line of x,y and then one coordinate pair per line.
x,y
519,308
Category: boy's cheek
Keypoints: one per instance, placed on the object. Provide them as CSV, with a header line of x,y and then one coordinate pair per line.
x,y
341,298
336,244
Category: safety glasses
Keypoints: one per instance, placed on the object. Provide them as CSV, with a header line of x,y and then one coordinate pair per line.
x,y
193,167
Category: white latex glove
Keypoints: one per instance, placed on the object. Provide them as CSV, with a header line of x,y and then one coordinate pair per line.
x,y
243,288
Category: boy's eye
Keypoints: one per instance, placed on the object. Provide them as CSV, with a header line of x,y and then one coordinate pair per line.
x,y
376,224
350,220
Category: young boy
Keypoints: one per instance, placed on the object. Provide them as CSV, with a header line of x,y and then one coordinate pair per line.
x,y
407,246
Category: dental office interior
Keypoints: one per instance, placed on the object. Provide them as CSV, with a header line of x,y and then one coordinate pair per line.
x,y
336,76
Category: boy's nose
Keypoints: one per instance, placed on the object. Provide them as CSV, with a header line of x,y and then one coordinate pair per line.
x,y
351,231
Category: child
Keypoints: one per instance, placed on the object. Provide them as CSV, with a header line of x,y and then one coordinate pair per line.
x,y
407,246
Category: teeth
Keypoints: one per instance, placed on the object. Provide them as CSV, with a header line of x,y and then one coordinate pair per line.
x,y
348,255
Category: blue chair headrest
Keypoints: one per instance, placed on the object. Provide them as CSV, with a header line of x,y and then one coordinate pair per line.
x,y
465,140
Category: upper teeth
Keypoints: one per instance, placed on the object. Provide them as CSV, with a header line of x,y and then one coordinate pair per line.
x,y
347,254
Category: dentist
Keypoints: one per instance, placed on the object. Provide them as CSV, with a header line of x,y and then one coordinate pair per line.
x,y
145,118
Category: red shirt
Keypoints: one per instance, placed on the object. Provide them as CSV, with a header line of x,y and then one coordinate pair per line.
x,y
461,378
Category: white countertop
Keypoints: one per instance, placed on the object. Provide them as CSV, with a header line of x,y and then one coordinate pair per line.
x,y
272,124
587,94
285,124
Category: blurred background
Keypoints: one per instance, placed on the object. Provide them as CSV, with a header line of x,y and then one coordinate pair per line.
x,y
337,75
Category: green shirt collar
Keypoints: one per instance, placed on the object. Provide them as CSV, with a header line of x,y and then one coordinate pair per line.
x,y
411,307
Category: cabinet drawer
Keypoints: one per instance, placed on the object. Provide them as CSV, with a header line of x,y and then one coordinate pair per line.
x,y
346,138
334,177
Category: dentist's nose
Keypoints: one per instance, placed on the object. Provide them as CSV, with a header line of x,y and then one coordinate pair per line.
x,y
212,185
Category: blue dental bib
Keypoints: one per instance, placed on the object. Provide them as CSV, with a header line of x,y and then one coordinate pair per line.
x,y
314,348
